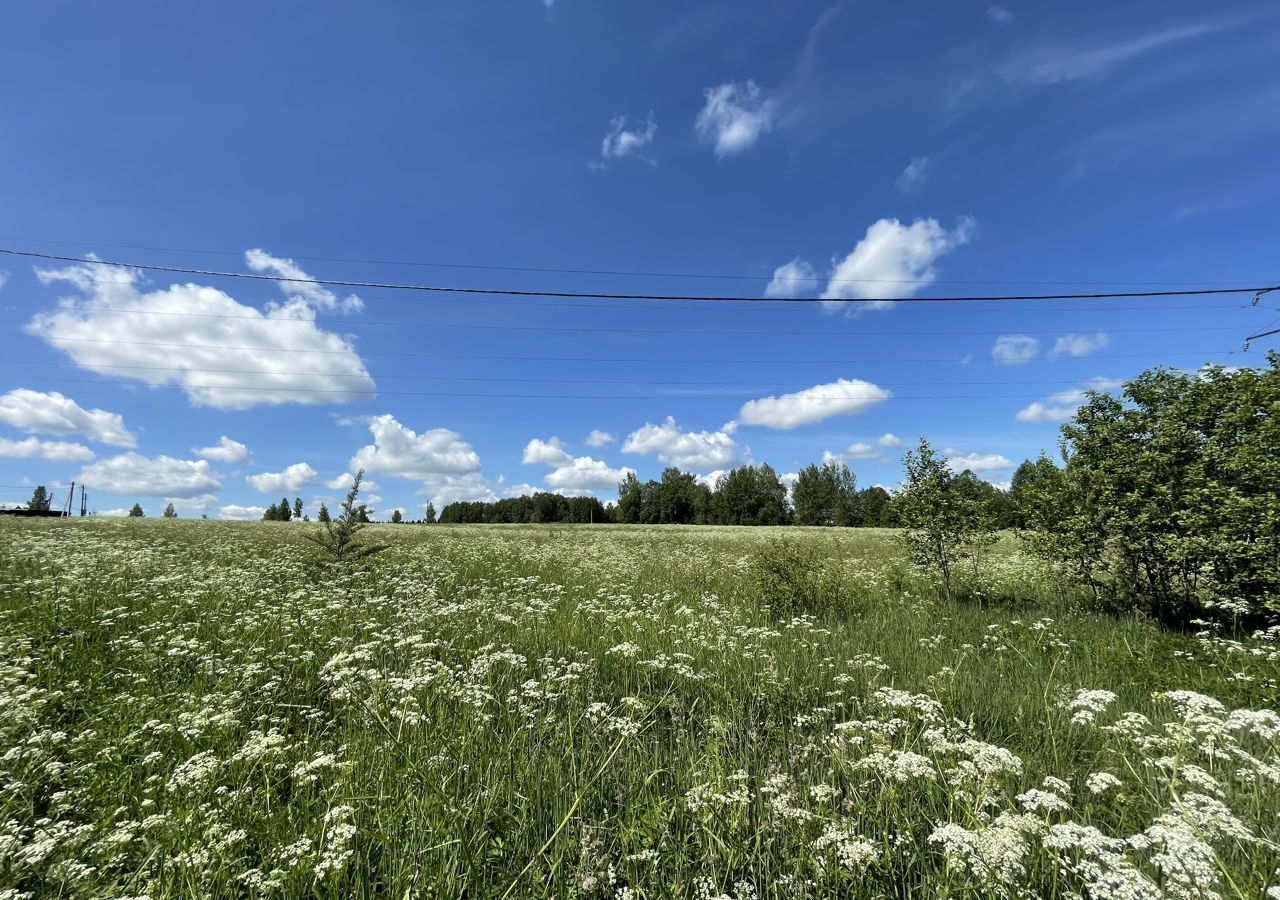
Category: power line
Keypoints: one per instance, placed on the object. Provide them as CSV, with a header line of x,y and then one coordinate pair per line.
x,y
58,340
488,326
577,271
521,379
511,292
480,299
509,396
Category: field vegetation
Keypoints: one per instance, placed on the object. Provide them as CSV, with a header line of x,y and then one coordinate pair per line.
x,y
229,710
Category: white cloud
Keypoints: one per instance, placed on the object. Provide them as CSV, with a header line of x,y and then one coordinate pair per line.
x,y
236,512
58,451
1076,345
200,339
53,413
584,472
161,476
914,175
711,478
998,14
822,401
343,483
623,141
1063,405
426,457
119,513
225,451
445,489
734,116
861,450
4,277
571,473
976,462
684,449
550,453
792,279
893,258
303,288
889,440
198,504
293,478
598,438
1048,64
1014,349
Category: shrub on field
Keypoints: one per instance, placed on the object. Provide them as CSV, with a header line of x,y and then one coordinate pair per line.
x,y
794,578
1169,502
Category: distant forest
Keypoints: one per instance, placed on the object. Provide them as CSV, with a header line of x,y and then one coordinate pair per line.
x,y
825,494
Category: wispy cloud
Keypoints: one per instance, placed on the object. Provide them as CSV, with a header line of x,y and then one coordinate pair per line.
x,y
734,116
1047,64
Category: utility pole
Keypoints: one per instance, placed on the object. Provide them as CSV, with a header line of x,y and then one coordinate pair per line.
x,y
84,503
71,496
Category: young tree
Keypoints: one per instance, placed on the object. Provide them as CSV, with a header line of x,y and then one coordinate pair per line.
x,y
338,538
271,513
136,511
396,518
40,499
944,526
323,515
297,507
170,512
284,512
430,516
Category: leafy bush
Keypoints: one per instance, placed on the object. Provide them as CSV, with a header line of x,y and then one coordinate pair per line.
x,y
795,578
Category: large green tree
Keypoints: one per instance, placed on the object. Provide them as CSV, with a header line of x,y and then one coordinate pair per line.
x,y
40,498
825,495
1175,486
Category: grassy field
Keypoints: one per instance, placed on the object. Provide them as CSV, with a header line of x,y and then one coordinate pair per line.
x,y
197,709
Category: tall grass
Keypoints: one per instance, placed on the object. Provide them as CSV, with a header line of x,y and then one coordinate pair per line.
x,y
192,709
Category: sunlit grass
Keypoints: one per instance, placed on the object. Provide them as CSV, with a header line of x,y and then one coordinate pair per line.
x,y
195,709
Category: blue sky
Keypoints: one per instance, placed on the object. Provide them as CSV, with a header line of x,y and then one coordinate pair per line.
x,y
837,150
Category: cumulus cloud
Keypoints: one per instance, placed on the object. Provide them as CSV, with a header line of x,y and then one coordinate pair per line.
x,y
300,285
583,473
1014,349
549,453
1076,345
439,458
976,462
711,479
57,451
822,401
1063,405
53,413
200,339
684,449
914,175
160,476
197,504
569,473
225,451
792,279
343,483
734,116
861,450
446,489
293,478
893,258
623,141
236,512
889,440
598,438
